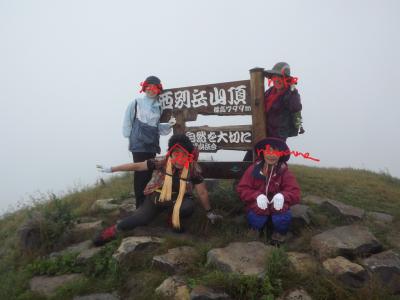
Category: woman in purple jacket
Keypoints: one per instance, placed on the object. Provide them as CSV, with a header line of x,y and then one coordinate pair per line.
x,y
269,189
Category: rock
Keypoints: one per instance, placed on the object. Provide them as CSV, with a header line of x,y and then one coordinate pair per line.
x,y
134,243
47,285
104,204
300,216
76,248
386,266
347,241
175,288
381,217
87,254
127,207
312,199
297,294
29,235
302,262
177,260
348,212
351,274
98,297
204,293
86,230
245,258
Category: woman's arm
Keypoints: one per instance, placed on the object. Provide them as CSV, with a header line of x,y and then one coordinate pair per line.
x,y
202,192
140,166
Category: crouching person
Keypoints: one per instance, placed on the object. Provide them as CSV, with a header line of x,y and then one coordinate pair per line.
x,y
269,189
169,188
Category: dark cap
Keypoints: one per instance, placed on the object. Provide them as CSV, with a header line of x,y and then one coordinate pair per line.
x,y
280,69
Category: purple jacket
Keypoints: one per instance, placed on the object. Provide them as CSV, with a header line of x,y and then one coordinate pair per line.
x,y
279,116
253,183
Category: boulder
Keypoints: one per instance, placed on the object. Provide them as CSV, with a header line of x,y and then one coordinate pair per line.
x,y
127,207
177,260
134,243
87,254
351,274
345,211
312,199
297,294
76,248
302,262
174,287
300,216
104,204
386,267
243,258
205,293
347,241
29,234
47,285
380,217
102,296
82,231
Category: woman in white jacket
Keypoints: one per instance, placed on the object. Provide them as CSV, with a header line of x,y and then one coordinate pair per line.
x,y
143,129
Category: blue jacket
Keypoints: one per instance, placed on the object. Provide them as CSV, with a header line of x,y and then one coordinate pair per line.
x,y
144,130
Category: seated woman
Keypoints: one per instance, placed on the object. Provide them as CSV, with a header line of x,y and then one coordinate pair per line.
x,y
268,189
169,188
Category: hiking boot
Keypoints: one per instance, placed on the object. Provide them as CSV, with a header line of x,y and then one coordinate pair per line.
x,y
278,238
108,234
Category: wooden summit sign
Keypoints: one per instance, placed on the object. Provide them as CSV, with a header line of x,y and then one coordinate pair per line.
x,y
244,97
228,98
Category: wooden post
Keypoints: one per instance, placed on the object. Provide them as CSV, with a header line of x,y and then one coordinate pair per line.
x,y
180,125
257,105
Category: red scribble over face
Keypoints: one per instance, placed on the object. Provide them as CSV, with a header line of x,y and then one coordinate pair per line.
x,y
271,156
151,90
278,82
180,157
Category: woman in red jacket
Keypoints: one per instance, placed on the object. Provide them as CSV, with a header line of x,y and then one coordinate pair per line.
x,y
268,189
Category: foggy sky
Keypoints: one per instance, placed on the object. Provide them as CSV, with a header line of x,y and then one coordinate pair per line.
x,y
68,70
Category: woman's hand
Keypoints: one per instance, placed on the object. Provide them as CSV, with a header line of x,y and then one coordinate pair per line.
x,y
103,169
172,121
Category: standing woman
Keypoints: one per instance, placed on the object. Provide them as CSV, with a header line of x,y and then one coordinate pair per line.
x,y
143,129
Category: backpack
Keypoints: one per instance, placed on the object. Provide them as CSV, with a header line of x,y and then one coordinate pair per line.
x,y
295,123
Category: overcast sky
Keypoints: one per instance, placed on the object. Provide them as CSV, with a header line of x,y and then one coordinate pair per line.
x,y
68,69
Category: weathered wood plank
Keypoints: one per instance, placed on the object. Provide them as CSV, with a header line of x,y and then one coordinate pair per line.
x,y
257,104
224,169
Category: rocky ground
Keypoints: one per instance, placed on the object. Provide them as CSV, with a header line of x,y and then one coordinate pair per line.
x,y
334,251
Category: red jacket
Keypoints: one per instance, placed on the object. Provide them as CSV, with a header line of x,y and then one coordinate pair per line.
x,y
253,183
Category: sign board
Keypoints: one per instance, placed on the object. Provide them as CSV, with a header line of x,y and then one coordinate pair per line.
x,y
228,98
211,139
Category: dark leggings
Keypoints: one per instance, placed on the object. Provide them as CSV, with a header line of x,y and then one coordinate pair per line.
x,y
149,210
142,178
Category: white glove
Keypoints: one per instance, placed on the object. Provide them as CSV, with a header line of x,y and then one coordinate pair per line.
x,y
262,201
278,201
212,216
103,169
292,87
172,121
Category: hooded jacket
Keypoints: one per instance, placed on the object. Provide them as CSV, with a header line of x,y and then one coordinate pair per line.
x,y
253,183
144,130
279,115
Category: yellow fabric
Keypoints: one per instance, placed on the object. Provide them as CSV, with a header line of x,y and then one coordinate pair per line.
x,y
178,203
167,186
166,191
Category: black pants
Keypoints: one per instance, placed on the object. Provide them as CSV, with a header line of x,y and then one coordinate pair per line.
x,y
142,178
149,210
